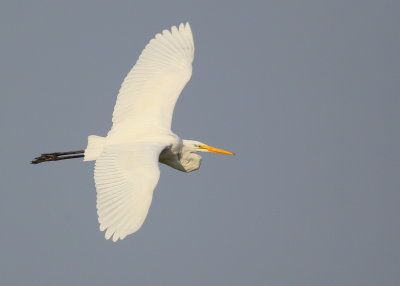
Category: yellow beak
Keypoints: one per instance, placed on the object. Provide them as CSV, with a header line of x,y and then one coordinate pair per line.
x,y
215,150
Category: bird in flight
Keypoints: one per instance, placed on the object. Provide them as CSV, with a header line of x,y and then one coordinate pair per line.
x,y
126,168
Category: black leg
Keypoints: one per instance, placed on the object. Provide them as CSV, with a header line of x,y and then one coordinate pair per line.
x,y
57,156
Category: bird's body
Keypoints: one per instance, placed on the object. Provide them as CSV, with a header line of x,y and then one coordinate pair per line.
x,y
126,160
176,152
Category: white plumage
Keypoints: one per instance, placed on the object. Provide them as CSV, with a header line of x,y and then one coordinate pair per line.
x,y
126,169
150,90
125,177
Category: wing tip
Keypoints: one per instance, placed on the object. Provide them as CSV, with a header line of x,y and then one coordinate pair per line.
x,y
115,235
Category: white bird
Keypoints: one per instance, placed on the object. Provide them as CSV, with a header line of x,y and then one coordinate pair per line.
x,y
126,170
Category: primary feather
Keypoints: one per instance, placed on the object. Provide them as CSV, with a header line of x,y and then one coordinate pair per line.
x,y
151,89
125,178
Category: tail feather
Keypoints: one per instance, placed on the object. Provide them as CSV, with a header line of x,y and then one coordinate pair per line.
x,y
94,148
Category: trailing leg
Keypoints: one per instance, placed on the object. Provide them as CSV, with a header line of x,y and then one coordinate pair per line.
x,y
57,156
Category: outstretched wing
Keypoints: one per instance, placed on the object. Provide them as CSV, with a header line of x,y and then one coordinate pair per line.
x,y
151,89
125,177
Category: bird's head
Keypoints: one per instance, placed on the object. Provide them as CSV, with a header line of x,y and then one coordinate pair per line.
x,y
188,160
196,146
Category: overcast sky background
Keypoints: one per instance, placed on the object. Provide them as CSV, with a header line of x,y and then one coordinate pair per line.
x,y
307,93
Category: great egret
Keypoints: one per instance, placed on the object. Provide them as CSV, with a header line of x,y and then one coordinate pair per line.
x,y
126,169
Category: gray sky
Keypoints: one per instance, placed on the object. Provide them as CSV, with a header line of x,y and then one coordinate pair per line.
x,y
307,93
